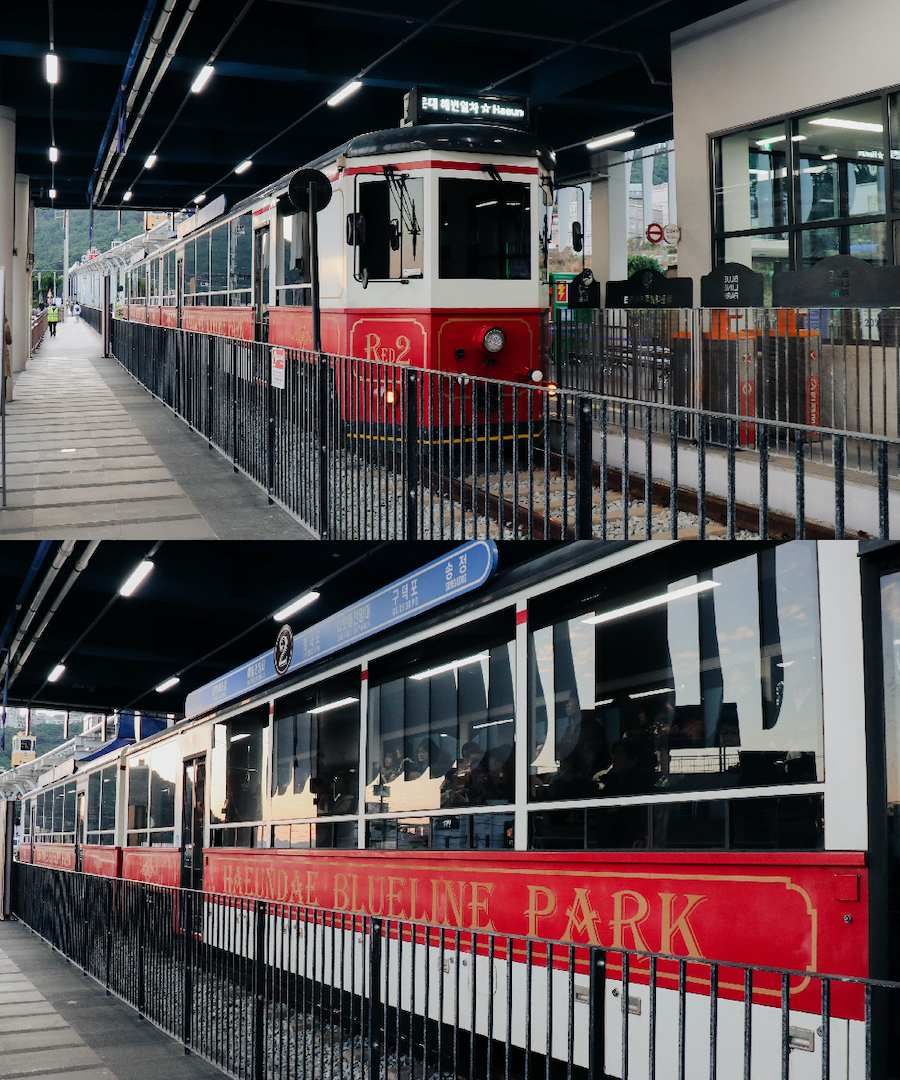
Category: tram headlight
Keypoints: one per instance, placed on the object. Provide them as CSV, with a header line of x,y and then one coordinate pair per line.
x,y
537,375
493,339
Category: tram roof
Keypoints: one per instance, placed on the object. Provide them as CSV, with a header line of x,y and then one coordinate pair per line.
x,y
205,607
592,69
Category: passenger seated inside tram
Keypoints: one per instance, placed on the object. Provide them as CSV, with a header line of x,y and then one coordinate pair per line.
x,y
462,784
428,756
499,775
631,771
582,751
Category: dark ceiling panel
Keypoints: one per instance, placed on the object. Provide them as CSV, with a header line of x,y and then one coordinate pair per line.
x,y
286,56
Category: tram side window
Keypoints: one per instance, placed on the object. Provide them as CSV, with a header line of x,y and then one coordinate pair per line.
x,y
151,797
713,682
295,265
441,730
388,228
190,270
218,266
153,275
316,767
236,778
101,806
485,229
240,261
169,279
201,289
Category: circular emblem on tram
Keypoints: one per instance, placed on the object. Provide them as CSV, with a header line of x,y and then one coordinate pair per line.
x,y
284,649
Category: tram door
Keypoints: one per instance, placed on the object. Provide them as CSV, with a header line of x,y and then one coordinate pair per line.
x,y
192,820
79,830
261,283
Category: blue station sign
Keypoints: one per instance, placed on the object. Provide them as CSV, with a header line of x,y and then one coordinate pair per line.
x,y
459,572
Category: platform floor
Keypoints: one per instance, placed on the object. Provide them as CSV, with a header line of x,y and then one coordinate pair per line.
x,y
90,453
55,1022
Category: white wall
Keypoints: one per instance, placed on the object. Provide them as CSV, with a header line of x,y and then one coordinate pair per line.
x,y
762,59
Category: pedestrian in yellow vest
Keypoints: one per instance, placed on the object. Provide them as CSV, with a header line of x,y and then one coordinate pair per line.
x,y
52,317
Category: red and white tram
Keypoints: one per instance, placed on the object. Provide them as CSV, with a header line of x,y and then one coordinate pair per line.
x,y
430,255
672,748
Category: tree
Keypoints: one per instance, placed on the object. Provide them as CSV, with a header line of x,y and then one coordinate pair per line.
x,y
642,262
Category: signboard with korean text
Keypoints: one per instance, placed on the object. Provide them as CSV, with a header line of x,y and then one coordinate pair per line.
x,y
425,106
731,285
650,288
460,571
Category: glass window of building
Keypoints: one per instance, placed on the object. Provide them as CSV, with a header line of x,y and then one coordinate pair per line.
x,y
707,678
820,177
441,722
316,750
236,777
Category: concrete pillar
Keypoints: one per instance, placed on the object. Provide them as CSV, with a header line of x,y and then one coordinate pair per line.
x,y
7,206
21,303
647,186
600,229
617,207
673,202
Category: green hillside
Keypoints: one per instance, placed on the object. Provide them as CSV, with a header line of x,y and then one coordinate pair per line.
x,y
47,737
48,234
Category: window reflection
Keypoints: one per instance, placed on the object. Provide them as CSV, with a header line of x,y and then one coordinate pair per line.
x,y
316,769
442,735
236,770
714,683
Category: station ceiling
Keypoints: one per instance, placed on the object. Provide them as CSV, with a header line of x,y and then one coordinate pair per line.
x,y
589,68
204,609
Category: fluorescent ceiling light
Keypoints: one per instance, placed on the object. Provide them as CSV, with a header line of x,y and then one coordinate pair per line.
x,y
151,161
126,197
653,693
203,78
607,140
451,666
333,705
167,684
56,672
244,166
344,92
240,735
850,125
490,202
52,193
54,153
51,67
605,701
766,143
829,157
199,199
652,602
136,577
492,723
817,169
296,605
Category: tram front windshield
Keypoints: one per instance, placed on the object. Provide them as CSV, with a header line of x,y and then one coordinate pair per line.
x,y
485,229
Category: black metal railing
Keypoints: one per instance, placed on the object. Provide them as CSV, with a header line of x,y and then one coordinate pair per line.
x,y
358,449
269,991
91,316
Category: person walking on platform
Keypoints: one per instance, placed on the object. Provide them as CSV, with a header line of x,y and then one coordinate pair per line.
x,y
76,310
52,317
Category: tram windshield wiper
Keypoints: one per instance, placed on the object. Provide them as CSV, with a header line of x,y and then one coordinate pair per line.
x,y
397,182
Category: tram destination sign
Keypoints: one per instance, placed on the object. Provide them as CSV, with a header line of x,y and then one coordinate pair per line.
x,y
456,573
424,106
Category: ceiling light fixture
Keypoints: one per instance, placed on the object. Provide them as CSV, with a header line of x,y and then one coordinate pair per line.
x,y
652,602
850,125
199,199
203,78
136,577
167,684
295,606
243,167
54,153
51,67
56,672
829,157
150,162
52,193
345,92
608,140
127,197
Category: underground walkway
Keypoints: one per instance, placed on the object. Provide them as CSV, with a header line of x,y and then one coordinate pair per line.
x,y
55,1022
89,452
